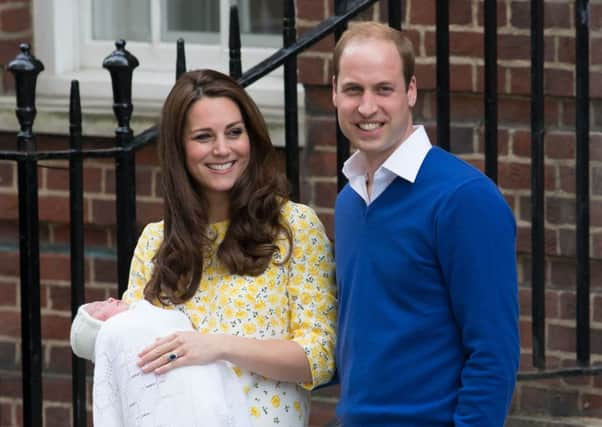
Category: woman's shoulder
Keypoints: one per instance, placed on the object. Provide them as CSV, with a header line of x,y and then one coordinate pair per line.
x,y
294,212
151,236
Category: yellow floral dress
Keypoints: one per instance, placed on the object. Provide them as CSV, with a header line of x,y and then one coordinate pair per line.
x,y
295,300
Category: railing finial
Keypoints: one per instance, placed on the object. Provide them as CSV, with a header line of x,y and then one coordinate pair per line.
x,y
121,64
25,68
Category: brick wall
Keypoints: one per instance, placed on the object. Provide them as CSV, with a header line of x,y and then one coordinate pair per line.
x,y
581,396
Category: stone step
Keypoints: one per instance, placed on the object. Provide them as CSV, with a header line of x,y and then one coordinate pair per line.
x,y
543,421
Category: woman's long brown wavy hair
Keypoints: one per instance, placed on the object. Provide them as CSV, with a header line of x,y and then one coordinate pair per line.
x,y
256,198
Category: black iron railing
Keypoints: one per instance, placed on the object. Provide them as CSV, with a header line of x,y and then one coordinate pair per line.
x,y
121,65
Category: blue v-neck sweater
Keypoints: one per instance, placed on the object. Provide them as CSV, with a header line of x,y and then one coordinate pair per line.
x,y
428,306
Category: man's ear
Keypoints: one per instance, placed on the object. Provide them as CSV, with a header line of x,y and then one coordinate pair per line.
x,y
334,91
412,92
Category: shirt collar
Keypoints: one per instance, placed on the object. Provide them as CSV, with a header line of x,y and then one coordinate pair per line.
x,y
404,162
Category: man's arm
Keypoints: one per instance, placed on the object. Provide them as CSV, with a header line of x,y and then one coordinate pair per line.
x,y
476,246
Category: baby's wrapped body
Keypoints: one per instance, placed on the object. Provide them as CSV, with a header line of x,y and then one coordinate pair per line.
x,y
124,396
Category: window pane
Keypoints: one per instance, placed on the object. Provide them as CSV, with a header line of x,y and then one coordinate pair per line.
x,y
121,19
261,22
261,17
196,21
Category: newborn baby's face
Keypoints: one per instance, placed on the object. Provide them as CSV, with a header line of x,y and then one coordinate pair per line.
x,y
102,310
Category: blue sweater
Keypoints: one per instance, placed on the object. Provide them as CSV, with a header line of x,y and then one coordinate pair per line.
x,y
428,301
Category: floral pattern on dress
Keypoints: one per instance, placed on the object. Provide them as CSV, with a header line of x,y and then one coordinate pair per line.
x,y
294,300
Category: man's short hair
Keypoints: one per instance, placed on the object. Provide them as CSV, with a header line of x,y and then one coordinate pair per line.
x,y
377,31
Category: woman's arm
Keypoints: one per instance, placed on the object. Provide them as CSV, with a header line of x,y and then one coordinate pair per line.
x,y
278,359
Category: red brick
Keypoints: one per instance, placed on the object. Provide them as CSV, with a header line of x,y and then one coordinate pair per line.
x,y
7,174
311,11
461,77
516,111
321,132
561,338
322,163
464,107
54,266
7,414
558,15
552,301
103,212
464,43
54,208
59,387
597,308
9,264
595,51
311,71
10,386
105,270
57,415
15,20
460,12
425,76
521,13
566,181
55,327
147,155
523,241
596,180
566,49
59,297
595,84
149,212
558,82
325,194
514,175
8,292
567,117
520,80
592,405
10,206
60,360
10,324
521,143
423,13
512,46
549,401
560,145
325,45
526,335
318,100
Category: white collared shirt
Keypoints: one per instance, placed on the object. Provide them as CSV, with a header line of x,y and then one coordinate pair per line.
x,y
404,162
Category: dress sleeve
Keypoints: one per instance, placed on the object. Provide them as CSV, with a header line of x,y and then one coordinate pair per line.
x,y
141,267
312,294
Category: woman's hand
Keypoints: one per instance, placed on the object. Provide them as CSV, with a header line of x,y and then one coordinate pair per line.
x,y
181,349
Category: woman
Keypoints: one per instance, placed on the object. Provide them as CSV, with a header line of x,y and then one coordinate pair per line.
x,y
253,271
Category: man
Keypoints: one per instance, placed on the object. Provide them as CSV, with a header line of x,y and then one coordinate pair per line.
x,y
425,258
112,333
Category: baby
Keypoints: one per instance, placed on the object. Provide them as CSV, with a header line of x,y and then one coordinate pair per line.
x,y
111,333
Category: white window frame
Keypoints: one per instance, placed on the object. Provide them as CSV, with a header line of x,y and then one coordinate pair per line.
x,y
61,36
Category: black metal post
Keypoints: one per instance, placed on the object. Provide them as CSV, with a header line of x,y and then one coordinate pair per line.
x,y
291,125
394,12
537,187
340,7
582,178
180,58
443,74
234,44
121,64
491,89
76,203
25,68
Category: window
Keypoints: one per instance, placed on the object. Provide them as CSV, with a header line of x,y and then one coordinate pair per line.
x,y
72,37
